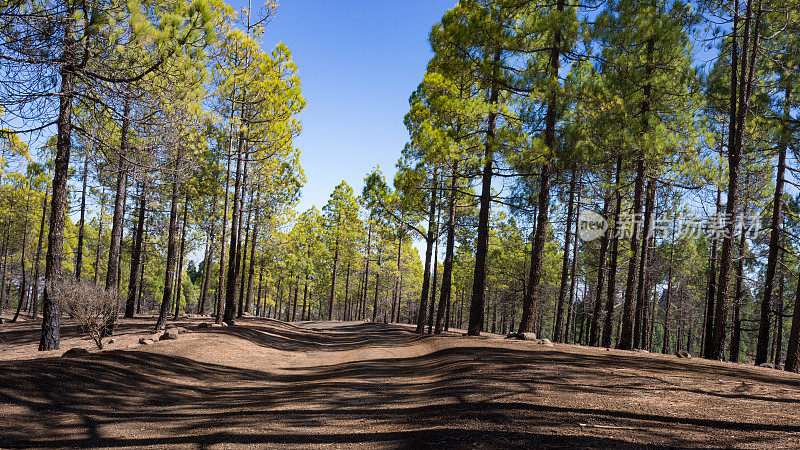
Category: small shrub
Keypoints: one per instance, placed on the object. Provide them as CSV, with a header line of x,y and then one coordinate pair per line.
x,y
91,306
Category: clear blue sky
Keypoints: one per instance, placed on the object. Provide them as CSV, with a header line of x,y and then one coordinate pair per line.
x,y
358,60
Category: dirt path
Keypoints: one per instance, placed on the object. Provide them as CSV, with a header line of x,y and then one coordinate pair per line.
x,y
267,383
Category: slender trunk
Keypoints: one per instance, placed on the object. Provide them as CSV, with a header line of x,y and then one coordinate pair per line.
x,y
221,280
141,280
169,275
423,301
305,296
51,304
253,242
23,280
793,351
233,266
594,329
201,303
435,278
3,290
736,334
38,259
261,310
333,277
136,255
182,252
608,327
532,295
294,303
642,291
99,236
447,270
81,232
668,293
345,313
708,326
115,247
562,289
573,275
734,168
772,259
363,295
482,242
201,308
241,254
377,287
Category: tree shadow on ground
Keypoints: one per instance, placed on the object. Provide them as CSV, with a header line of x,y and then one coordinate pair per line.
x,y
288,337
453,398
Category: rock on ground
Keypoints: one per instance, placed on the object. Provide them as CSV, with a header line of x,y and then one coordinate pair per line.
x,y
75,352
526,336
170,333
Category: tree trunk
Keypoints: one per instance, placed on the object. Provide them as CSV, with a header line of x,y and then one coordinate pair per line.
x,y
737,301
141,280
377,287
169,275
562,289
201,303
23,280
333,277
233,266
734,168
294,303
81,232
642,289
626,333
38,259
482,241
774,236
573,275
241,253
221,280
608,328
179,281
708,327
447,270
435,277
594,329
51,304
793,352
345,313
423,301
136,255
665,344
305,296
532,295
253,242
363,294
115,247
99,237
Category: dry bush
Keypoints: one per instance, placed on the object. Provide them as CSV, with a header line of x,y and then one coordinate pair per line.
x,y
90,305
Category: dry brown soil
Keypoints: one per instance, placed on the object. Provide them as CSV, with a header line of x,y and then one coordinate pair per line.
x,y
265,383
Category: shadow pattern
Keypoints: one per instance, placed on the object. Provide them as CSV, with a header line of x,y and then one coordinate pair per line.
x,y
460,397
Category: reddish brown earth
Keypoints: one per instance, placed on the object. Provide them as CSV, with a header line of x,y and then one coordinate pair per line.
x,y
266,383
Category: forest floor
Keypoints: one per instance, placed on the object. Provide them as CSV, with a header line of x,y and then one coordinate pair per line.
x,y
355,384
